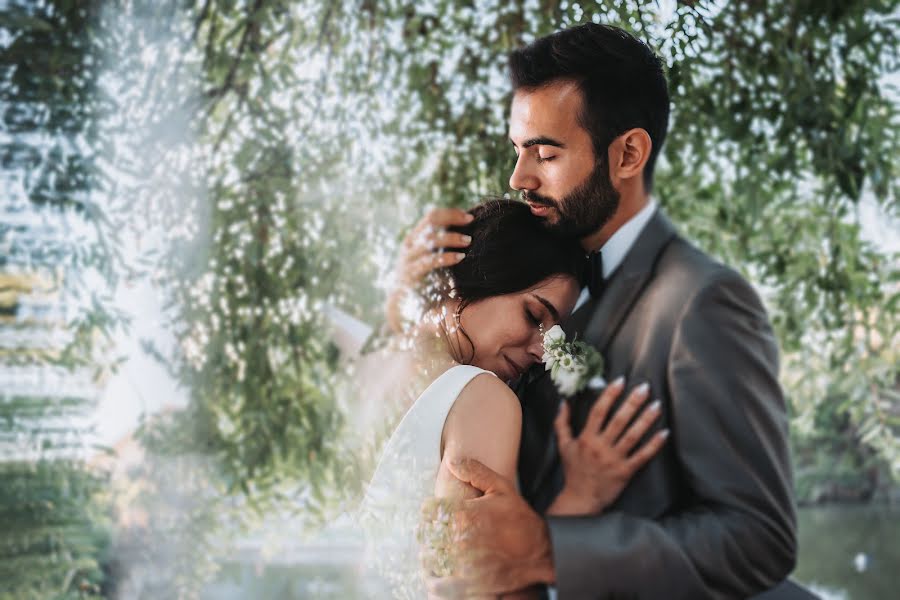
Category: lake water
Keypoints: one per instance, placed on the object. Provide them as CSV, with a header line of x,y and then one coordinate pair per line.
x,y
850,552
846,553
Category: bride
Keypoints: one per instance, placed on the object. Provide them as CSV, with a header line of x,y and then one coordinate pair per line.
x,y
482,332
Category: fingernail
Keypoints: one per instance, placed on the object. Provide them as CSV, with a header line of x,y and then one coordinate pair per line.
x,y
654,407
469,217
618,381
664,433
642,389
458,256
467,238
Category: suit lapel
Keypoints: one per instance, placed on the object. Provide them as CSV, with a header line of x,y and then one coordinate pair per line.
x,y
538,447
627,282
597,322
577,321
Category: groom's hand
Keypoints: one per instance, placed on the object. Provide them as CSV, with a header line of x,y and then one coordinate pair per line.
x,y
428,246
500,544
423,247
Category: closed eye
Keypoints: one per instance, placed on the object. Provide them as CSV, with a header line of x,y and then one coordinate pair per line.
x,y
542,159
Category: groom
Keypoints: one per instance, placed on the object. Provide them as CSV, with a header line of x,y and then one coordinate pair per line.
x,y
712,515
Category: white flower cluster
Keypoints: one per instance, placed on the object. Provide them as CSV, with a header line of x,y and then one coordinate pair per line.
x,y
572,365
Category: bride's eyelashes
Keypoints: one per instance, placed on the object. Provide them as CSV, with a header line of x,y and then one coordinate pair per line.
x,y
536,319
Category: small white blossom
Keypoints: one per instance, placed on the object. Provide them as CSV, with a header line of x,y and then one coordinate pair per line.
x,y
572,365
554,335
566,382
549,360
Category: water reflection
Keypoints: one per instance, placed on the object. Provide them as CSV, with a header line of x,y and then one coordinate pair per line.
x,y
850,551
835,542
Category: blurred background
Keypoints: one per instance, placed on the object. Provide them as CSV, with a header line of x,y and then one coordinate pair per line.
x,y
201,201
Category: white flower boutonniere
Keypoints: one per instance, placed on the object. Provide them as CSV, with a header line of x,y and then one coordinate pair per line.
x,y
573,365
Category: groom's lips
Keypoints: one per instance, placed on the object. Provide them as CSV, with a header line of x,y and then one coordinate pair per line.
x,y
539,210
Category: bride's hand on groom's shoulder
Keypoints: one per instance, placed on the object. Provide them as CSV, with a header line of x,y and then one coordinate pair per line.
x,y
601,460
428,246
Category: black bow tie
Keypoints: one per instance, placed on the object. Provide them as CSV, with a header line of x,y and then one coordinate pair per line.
x,y
596,281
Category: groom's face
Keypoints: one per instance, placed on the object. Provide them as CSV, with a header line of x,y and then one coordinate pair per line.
x,y
556,170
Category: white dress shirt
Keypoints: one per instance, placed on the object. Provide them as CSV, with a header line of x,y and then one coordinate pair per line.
x,y
619,244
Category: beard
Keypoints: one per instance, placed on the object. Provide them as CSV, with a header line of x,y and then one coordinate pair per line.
x,y
585,209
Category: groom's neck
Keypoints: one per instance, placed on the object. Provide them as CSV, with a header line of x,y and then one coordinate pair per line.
x,y
628,207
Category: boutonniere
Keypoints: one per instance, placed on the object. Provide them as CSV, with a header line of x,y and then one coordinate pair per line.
x,y
573,365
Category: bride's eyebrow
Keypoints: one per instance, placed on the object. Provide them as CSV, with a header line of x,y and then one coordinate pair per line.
x,y
550,308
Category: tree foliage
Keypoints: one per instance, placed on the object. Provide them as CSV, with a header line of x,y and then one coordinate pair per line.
x,y
279,149
55,319
327,126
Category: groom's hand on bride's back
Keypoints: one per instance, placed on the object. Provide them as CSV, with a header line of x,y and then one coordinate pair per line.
x,y
428,246
498,544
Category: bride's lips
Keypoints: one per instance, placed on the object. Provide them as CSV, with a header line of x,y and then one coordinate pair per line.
x,y
516,369
539,210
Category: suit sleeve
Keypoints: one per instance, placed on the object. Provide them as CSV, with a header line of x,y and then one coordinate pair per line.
x,y
729,430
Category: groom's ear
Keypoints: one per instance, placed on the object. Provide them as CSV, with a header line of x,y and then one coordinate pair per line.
x,y
628,154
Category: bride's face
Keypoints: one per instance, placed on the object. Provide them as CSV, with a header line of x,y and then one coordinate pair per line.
x,y
506,330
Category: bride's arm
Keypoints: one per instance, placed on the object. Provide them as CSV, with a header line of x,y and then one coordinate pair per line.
x,y
485,423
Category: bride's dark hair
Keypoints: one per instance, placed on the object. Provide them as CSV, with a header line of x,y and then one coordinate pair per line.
x,y
511,251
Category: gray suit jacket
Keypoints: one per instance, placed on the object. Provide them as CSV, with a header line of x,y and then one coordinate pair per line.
x,y
712,515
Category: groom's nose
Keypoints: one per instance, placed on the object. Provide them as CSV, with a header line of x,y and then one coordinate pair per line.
x,y
522,177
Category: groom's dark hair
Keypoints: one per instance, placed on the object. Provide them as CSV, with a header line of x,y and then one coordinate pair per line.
x,y
621,81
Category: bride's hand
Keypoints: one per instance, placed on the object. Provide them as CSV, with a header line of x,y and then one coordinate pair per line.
x,y
422,251
601,460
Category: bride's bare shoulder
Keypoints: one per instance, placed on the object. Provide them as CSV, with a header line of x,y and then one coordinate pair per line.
x,y
487,395
485,423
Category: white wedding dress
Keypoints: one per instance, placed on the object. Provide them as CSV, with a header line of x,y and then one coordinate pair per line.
x,y
403,479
